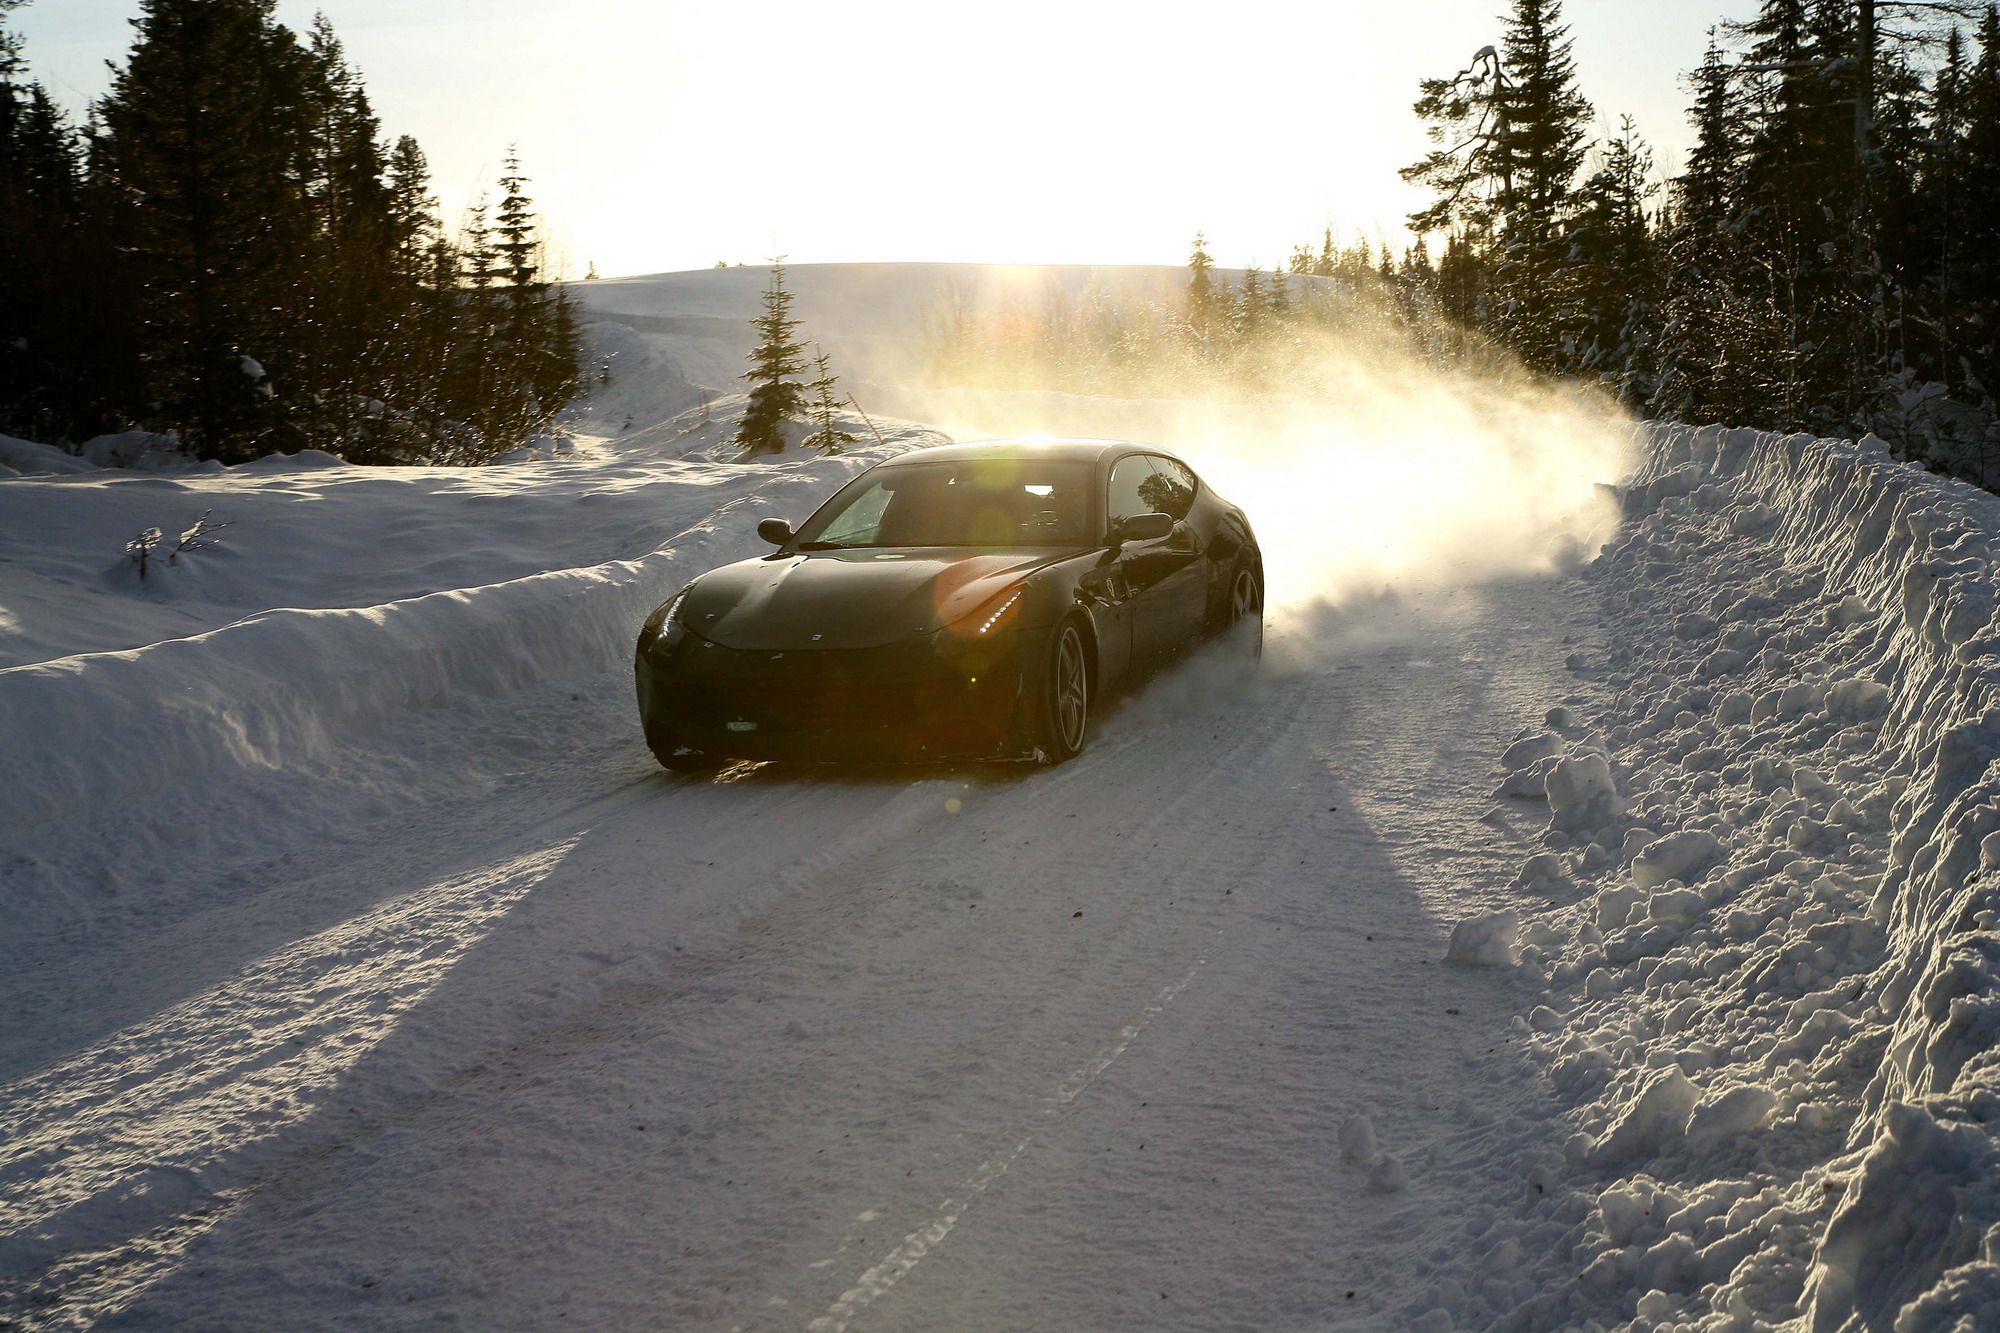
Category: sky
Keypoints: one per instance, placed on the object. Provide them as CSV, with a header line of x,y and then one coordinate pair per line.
x,y
662,135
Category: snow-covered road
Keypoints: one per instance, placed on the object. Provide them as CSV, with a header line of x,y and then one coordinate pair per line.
x,y
891,1049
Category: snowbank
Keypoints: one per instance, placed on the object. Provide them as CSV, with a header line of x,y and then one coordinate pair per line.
x,y
1779,993
154,736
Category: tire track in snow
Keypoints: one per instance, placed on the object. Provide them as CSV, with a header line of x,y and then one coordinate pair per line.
x,y
893,1267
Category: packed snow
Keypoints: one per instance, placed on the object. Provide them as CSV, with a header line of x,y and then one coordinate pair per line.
x,y
1584,918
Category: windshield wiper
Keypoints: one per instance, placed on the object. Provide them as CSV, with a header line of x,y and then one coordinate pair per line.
x,y
824,546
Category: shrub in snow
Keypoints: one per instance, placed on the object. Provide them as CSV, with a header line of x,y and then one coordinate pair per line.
x,y
1581,793
1485,941
140,548
199,536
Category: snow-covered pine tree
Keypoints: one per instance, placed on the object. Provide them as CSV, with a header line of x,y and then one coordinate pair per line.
x,y
776,396
1251,307
824,408
1201,294
1278,297
1610,269
1701,370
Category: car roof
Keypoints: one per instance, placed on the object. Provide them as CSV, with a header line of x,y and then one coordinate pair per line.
x,y
1077,450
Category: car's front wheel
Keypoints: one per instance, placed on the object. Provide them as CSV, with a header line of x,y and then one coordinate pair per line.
x,y
1065,695
1246,609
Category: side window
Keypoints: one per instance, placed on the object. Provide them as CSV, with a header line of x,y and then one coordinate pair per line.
x,y
1170,490
1130,480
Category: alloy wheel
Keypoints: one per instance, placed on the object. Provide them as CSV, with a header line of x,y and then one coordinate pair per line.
x,y
1072,690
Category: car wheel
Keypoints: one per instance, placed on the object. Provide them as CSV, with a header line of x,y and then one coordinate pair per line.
x,y
1246,609
1066,698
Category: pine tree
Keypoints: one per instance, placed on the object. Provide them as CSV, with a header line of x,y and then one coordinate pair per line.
x,y
412,209
200,148
824,409
1278,297
1610,269
1201,296
1700,301
1510,134
1251,307
1974,301
1538,150
514,242
776,397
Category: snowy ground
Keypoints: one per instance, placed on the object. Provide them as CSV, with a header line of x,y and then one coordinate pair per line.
x,y
357,965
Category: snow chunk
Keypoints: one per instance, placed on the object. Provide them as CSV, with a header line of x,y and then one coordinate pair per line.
x,y
1526,784
1680,856
1542,870
1728,1115
1581,793
1677,905
1656,1118
1485,941
1357,1140
1857,700
1526,751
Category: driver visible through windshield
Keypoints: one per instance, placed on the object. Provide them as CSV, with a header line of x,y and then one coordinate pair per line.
x,y
987,502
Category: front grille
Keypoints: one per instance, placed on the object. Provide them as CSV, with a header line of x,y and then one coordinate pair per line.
x,y
900,699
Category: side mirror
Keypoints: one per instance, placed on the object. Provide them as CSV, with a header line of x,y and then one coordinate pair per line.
x,y
1142,528
775,531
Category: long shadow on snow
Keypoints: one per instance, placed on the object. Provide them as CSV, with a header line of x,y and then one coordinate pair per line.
x,y
440,1171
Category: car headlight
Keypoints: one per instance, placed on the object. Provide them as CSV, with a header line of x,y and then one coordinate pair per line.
x,y
978,644
991,620
664,625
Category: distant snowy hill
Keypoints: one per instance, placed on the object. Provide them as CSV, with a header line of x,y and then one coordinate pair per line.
x,y
673,340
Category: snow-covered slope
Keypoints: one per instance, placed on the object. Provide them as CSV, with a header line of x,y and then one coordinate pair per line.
x,y
1768,922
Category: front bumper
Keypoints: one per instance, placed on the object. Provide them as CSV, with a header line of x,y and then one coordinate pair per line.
x,y
914,701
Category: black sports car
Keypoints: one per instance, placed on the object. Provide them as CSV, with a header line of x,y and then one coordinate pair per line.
x,y
965,601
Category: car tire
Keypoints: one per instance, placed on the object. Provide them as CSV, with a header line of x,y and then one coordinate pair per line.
x,y
1066,695
1246,603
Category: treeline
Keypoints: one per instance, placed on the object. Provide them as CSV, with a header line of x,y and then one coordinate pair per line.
x,y
231,251
1827,260
1243,335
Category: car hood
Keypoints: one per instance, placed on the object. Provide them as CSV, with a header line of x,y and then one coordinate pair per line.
x,y
850,599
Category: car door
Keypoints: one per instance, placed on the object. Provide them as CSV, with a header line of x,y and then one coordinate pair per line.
x,y
1175,611
1140,567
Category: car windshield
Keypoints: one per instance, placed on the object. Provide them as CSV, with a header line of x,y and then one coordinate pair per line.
x,y
982,502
